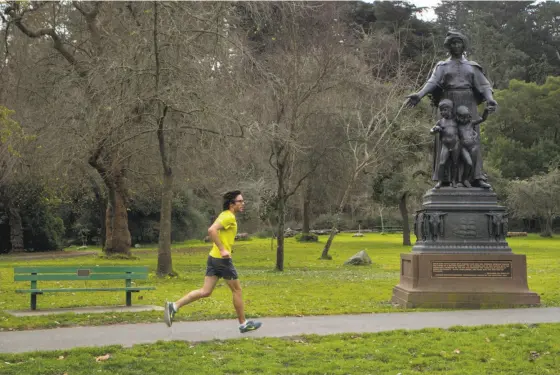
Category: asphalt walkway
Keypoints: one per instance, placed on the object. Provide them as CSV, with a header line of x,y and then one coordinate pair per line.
x,y
130,334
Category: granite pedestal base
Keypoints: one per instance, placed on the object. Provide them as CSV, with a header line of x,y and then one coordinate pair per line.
x,y
461,257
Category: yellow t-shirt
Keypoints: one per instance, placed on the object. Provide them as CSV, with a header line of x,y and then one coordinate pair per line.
x,y
226,234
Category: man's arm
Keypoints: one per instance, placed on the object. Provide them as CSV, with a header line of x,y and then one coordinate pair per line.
x,y
213,234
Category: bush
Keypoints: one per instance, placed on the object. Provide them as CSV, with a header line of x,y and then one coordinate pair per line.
x,y
307,237
187,221
242,237
45,232
266,233
324,221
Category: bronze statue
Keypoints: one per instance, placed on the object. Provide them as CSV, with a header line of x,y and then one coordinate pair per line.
x,y
449,138
469,140
464,83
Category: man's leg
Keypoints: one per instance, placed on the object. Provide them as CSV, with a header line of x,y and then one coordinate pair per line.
x,y
206,290
230,276
244,325
235,287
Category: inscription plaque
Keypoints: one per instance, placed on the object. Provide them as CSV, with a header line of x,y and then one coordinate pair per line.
x,y
471,269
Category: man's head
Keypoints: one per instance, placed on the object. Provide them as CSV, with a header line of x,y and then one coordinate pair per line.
x,y
463,115
446,108
233,201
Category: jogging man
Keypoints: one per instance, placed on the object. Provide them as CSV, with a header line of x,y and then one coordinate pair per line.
x,y
222,233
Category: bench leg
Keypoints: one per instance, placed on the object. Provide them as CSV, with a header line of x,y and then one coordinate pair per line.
x,y
33,301
129,298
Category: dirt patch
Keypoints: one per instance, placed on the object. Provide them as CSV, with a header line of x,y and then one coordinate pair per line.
x,y
182,250
82,253
47,255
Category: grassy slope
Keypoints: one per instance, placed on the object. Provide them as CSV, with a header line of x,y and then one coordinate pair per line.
x,y
505,350
308,286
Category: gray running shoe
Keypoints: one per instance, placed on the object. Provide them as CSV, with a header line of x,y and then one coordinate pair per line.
x,y
250,326
168,313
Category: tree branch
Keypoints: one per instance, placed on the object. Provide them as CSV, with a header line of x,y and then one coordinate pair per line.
x,y
57,41
86,14
92,23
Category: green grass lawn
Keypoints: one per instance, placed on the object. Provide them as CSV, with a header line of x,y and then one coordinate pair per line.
x,y
505,350
308,286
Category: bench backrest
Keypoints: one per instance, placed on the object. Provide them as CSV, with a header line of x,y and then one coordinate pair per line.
x,y
80,273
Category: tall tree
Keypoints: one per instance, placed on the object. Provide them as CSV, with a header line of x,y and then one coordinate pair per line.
x,y
536,198
523,138
296,71
90,60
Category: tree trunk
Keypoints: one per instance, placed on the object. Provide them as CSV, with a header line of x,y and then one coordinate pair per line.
x,y
118,236
280,236
102,210
382,222
342,203
547,227
165,264
404,214
16,228
281,219
325,255
306,203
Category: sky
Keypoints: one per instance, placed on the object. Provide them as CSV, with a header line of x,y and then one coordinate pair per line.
x,y
429,14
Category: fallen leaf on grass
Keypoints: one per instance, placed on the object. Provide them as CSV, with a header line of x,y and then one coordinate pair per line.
x,y
534,355
487,339
103,357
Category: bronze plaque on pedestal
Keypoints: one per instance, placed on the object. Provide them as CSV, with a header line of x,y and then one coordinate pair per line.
x,y
471,269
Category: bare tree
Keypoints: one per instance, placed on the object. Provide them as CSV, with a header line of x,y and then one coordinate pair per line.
x,y
376,132
184,73
12,170
295,73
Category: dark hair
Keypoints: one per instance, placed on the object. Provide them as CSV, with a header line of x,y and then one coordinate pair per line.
x,y
229,198
445,102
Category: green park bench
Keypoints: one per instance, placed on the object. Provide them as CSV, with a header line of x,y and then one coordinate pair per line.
x,y
66,273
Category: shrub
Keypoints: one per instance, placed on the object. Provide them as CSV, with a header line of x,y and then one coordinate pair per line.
x,y
307,237
266,233
242,237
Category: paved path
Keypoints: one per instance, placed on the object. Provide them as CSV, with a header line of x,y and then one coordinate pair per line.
x,y
130,334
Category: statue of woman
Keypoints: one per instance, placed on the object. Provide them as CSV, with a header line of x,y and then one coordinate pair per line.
x,y
464,83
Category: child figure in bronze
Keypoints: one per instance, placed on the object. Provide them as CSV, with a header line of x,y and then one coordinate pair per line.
x,y
450,143
469,140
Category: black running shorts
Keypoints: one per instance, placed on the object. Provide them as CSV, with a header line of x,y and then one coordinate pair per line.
x,y
221,267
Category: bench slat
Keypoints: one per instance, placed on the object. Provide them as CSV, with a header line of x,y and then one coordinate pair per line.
x,y
84,290
73,269
93,276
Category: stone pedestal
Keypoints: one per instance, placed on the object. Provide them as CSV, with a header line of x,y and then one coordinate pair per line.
x,y
461,257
